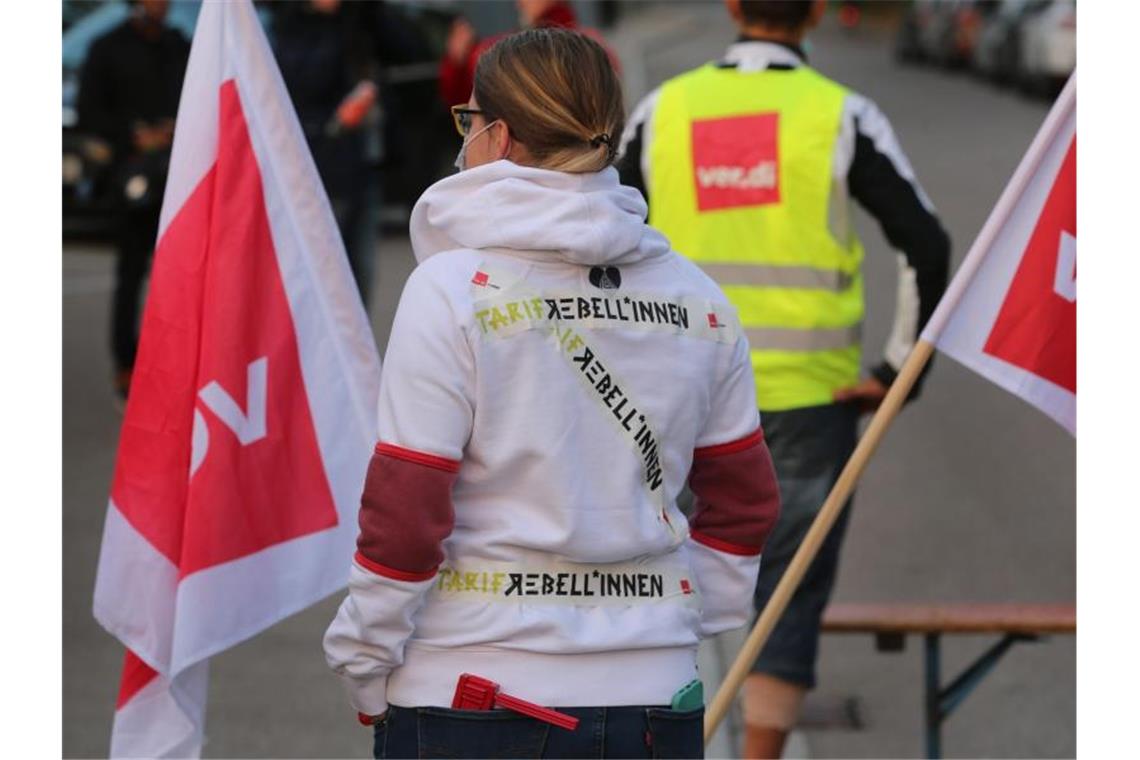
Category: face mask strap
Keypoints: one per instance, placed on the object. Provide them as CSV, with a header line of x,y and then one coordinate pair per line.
x,y
461,159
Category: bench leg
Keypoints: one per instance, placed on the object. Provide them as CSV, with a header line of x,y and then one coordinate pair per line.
x,y
933,701
940,702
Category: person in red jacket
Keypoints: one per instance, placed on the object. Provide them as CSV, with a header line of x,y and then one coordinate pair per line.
x,y
457,69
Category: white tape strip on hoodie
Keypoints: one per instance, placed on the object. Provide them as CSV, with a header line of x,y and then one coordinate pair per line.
x,y
508,310
504,315
622,584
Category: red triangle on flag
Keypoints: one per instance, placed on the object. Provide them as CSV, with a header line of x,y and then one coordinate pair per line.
x,y
219,365
1036,328
136,675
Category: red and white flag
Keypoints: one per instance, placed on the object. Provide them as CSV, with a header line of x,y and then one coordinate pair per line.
x,y
1011,312
251,414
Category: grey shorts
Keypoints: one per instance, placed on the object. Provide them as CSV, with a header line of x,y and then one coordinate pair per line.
x,y
809,448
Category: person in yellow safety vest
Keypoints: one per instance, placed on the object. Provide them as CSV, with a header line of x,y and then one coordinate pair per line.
x,y
749,165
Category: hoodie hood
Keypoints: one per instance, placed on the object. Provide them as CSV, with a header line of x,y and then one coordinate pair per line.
x,y
585,219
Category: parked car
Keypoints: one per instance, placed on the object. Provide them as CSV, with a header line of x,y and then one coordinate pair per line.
x,y
943,32
997,55
914,29
74,10
1049,46
955,31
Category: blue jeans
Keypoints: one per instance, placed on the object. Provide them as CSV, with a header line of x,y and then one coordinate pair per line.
x,y
809,448
603,732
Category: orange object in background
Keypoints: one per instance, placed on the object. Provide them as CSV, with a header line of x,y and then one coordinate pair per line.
x,y
355,106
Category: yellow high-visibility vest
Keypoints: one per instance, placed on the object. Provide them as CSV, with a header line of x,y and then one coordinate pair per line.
x,y
741,183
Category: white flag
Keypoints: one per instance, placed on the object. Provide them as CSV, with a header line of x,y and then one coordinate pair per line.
x,y
1011,312
251,415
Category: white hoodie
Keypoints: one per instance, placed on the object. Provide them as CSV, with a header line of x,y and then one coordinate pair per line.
x,y
554,376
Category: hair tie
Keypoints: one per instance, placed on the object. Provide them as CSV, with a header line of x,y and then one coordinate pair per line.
x,y
603,138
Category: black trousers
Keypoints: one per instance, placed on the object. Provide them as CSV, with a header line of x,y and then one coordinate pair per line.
x,y
137,232
603,732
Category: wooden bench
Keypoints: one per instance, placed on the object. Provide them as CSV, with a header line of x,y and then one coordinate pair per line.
x,y
891,623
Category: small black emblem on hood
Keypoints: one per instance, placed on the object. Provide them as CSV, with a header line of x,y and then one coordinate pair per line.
x,y
608,278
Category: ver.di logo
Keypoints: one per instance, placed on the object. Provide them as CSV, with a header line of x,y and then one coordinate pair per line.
x,y
736,161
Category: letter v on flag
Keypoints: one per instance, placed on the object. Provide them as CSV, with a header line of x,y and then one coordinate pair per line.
x,y
250,421
1010,313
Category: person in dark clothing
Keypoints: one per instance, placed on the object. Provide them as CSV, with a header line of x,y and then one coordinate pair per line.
x,y
328,55
128,95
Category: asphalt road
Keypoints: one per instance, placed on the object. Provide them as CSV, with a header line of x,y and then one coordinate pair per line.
x,y
971,497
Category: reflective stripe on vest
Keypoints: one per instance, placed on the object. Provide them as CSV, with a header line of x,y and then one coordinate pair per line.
x,y
792,339
782,276
741,183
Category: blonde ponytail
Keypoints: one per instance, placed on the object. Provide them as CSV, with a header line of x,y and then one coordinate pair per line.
x,y
557,91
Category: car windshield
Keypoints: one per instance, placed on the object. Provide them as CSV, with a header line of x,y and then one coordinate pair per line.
x,y
86,30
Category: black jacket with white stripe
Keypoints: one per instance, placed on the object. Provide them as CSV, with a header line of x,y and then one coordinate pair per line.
x,y
872,168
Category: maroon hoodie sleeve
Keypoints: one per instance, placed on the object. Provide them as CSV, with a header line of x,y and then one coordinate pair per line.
x,y
737,497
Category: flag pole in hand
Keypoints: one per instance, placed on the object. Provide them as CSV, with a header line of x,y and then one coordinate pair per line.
x,y
1032,225
807,550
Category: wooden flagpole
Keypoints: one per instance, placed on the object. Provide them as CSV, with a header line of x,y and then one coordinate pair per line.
x,y
840,492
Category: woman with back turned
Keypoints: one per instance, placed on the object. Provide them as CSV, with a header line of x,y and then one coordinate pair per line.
x,y
554,377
